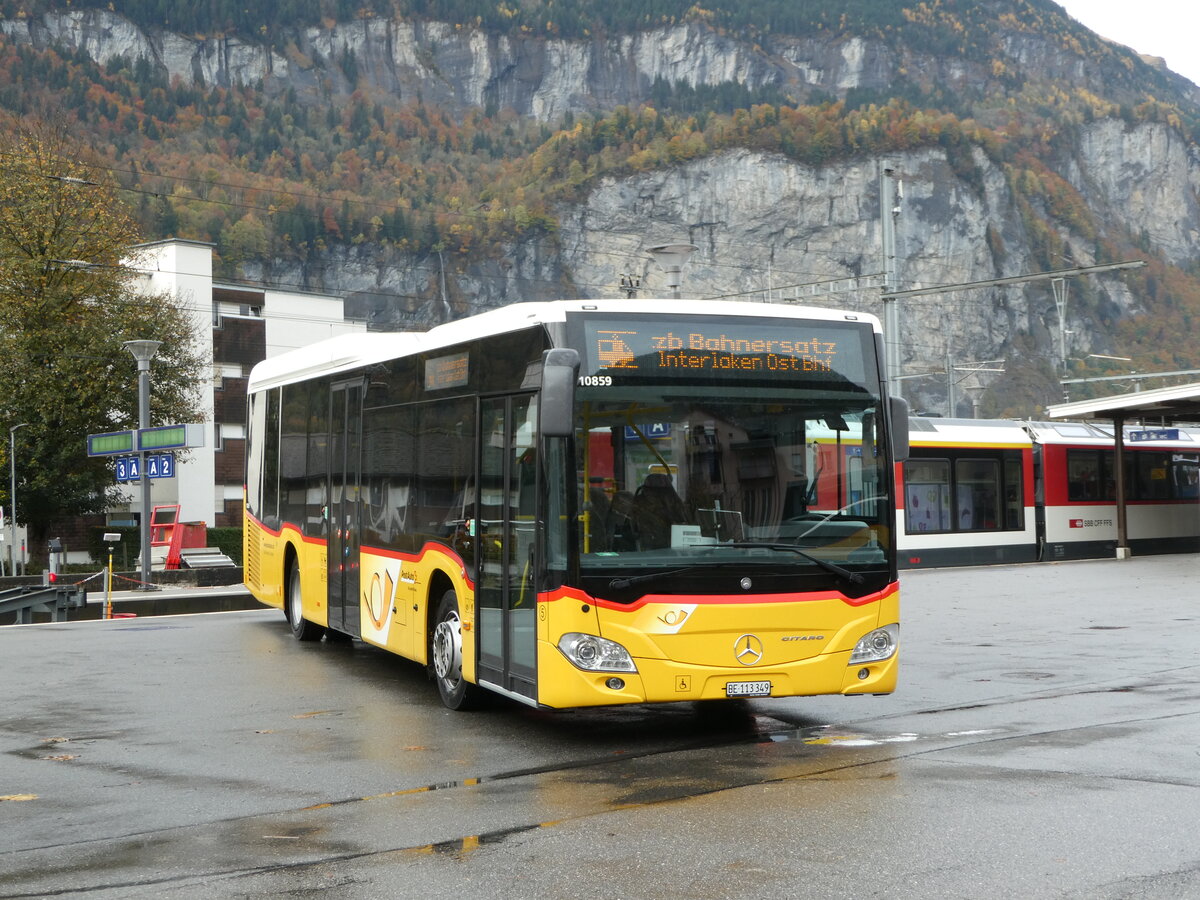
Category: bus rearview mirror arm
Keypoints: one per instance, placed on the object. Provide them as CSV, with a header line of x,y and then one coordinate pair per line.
x,y
899,429
560,368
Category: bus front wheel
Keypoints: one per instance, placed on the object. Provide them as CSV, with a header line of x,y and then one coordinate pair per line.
x,y
446,652
302,629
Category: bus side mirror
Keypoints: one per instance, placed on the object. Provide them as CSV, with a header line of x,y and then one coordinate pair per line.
x,y
560,368
899,429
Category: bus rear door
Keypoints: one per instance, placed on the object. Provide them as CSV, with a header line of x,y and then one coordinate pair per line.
x,y
345,474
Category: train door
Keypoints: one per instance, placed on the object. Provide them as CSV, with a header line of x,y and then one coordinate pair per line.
x,y
506,595
345,475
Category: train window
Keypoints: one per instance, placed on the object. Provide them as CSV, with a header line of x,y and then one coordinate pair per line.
x,y
1186,476
969,491
1153,474
1014,499
1083,476
927,495
1108,475
977,494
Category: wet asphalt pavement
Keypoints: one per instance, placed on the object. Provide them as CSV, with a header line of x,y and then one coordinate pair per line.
x,y
1044,742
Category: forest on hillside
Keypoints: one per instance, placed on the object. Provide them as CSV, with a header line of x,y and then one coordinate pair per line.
x,y
972,30
259,174
580,18
939,27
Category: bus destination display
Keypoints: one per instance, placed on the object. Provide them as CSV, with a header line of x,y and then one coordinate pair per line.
x,y
447,371
730,348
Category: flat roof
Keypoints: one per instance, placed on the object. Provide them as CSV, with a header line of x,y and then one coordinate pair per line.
x,y
1174,404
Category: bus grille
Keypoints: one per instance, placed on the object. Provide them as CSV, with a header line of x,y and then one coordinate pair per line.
x,y
253,561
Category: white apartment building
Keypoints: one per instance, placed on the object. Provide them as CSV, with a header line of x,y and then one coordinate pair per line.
x,y
235,326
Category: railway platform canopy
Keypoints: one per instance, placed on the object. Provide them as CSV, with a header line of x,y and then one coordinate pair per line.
x,y
1162,407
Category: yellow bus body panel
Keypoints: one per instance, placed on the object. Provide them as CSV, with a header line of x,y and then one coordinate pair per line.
x,y
266,574
685,649
399,599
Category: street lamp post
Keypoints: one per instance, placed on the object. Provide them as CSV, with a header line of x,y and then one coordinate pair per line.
x,y
143,352
12,495
671,258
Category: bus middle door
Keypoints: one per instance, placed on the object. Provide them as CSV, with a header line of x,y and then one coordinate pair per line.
x,y
345,474
506,595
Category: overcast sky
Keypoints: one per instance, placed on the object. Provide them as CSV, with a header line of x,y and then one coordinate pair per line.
x,y
1166,28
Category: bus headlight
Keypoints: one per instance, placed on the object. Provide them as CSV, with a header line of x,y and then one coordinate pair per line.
x,y
595,654
876,646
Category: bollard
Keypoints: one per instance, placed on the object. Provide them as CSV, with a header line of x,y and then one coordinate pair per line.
x,y
110,538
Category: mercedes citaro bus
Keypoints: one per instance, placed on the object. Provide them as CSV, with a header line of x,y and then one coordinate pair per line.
x,y
582,503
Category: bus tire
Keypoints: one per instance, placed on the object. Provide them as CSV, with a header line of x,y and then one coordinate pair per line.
x,y
445,651
302,629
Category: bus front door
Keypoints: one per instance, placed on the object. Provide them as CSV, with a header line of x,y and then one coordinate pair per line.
x,y
506,596
345,465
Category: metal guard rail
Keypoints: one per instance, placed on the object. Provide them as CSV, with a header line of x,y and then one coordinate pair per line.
x,y
56,599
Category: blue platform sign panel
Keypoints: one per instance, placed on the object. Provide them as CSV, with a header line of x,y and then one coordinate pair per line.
x,y
158,465
1154,434
652,430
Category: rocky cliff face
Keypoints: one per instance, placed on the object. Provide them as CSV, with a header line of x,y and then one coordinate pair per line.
x,y
766,227
459,67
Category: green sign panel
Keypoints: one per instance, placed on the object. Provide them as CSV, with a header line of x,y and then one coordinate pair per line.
x,y
146,440
162,437
110,444
170,437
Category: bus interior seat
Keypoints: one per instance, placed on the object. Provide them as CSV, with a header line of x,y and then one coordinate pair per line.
x,y
795,499
656,507
599,509
621,534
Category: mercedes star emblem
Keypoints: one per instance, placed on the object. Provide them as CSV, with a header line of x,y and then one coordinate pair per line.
x,y
748,649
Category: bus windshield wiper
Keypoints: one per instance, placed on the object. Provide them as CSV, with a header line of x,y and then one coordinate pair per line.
x,y
852,577
619,584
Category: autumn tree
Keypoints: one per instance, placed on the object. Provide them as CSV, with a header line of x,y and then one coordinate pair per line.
x,y
69,298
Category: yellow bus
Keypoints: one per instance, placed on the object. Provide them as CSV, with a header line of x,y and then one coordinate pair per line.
x,y
581,503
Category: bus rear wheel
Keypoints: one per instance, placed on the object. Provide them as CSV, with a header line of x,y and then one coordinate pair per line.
x,y
445,649
302,629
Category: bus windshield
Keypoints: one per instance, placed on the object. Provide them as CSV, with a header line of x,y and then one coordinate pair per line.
x,y
733,478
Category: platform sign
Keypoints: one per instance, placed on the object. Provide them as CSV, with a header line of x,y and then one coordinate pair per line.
x,y
1154,434
652,430
128,468
158,465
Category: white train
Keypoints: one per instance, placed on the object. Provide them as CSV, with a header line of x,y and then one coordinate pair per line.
x,y
977,491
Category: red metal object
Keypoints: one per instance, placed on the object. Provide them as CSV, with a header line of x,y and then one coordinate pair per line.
x,y
167,531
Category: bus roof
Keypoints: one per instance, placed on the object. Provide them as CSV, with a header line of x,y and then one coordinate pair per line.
x,y
351,351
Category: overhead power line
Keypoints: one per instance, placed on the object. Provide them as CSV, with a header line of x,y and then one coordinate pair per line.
x,y
1014,279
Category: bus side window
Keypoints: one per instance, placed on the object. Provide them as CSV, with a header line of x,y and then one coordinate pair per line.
x,y
388,474
445,465
269,513
293,453
317,461
254,453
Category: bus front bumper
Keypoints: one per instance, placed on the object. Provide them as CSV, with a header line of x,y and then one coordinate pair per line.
x,y
561,684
